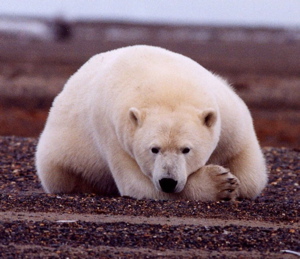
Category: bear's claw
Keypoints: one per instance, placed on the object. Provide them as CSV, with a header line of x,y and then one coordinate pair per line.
x,y
226,183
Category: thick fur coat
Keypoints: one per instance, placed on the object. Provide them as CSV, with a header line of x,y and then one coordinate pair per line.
x,y
145,122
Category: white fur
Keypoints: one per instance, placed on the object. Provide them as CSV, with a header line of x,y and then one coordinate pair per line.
x,y
121,104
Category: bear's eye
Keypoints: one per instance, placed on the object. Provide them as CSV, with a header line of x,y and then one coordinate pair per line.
x,y
155,150
185,150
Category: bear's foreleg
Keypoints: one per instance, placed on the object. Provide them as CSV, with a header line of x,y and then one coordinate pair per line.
x,y
57,180
131,181
211,183
250,168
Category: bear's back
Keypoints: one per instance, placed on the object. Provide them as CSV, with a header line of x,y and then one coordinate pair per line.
x,y
145,76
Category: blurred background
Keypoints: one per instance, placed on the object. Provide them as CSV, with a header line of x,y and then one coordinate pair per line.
x,y
254,44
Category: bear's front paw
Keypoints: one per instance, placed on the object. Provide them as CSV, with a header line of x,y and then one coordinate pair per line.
x,y
226,184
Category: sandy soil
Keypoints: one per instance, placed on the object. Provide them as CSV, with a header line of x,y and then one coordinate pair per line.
x,y
35,224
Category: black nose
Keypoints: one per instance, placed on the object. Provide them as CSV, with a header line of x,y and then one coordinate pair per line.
x,y
167,185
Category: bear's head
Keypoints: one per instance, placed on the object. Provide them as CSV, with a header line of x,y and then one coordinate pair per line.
x,y
170,145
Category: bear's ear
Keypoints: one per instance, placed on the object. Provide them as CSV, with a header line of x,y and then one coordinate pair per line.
x,y
208,117
136,116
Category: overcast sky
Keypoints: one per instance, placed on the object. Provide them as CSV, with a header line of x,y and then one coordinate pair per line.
x,y
221,12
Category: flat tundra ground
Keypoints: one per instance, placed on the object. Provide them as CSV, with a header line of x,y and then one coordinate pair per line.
x,y
38,225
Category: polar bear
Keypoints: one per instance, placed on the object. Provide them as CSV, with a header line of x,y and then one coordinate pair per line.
x,y
145,122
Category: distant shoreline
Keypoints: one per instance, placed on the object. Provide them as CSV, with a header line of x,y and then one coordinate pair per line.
x,y
263,13
21,19
262,64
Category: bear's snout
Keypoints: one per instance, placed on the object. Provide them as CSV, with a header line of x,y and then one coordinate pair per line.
x,y
168,185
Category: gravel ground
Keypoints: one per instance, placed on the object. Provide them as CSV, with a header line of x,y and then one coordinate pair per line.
x,y
38,225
